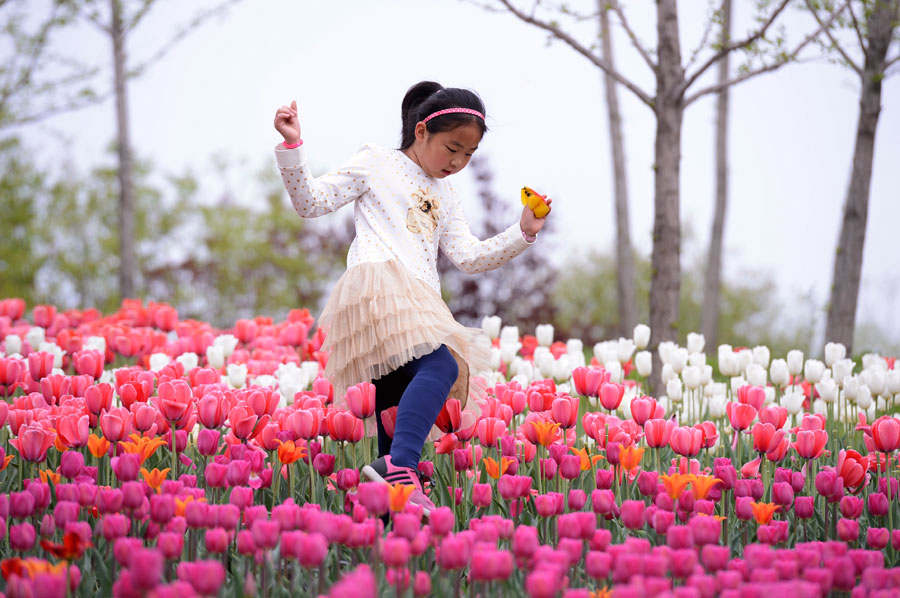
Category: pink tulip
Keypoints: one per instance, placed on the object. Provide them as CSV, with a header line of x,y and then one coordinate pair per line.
x,y
611,394
632,514
342,425
886,434
588,380
374,497
212,410
216,540
481,495
323,463
33,442
265,534
98,398
775,415
570,467
453,553
576,499
564,411
245,424
170,545
658,432
206,577
148,572
851,507
810,443
40,364
395,552
311,550
361,399
877,538
114,526
162,508
646,408
686,441
705,530
752,395
116,424
878,504
782,494
848,530
74,430
740,415
489,430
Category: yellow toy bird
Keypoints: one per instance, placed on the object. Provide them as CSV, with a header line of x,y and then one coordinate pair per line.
x,y
535,201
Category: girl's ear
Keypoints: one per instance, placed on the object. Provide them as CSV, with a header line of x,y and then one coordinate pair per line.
x,y
421,129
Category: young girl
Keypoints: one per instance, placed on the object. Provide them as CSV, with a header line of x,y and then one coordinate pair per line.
x,y
385,320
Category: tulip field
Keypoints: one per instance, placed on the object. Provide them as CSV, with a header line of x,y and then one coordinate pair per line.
x,y
144,455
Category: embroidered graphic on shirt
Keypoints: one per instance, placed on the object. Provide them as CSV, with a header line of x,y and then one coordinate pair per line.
x,y
422,218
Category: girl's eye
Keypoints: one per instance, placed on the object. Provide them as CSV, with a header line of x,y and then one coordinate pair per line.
x,y
451,150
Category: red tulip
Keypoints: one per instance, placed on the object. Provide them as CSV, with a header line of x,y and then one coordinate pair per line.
x,y
361,399
448,420
810,443
710,433
489,429
851,467
886,434
766,437
245,424
740,415
658,432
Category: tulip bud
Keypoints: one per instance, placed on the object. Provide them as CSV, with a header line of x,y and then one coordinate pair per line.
x,y
641,336
643,362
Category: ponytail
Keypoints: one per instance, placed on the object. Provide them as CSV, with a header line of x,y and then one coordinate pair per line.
x,y
428,97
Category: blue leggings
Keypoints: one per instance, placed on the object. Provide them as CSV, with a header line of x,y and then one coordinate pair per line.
x,y
418,389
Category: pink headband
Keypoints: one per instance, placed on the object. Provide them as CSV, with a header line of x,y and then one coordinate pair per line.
x,y
453,111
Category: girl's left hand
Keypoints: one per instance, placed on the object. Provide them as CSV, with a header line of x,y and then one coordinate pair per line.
x,y
529,223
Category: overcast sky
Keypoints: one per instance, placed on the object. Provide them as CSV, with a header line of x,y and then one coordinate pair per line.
x,y
349,63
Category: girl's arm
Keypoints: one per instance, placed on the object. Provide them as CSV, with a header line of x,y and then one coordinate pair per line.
x,y
472,255
315,196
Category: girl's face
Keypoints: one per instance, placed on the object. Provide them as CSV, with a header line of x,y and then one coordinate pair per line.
x,y
444,153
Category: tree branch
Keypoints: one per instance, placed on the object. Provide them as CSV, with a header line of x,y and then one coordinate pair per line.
x,y
597,61
181,34
139,15
631,35
765,68
859,36
834,42
703,39
727,48
55,110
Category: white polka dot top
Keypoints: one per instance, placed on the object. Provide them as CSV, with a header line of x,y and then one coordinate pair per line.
x,y
400,213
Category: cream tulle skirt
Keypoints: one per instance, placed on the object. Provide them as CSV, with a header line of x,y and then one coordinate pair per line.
x,y
379,317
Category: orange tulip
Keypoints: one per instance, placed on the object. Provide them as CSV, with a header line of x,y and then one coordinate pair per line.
x,y
587,460
399,494
675,484
182,503
288,452
155,478
46,474
97,445
494,469
545,433
630,457
31,567
763,511
143,446
702,484
6,462
603,592
718,518
72,547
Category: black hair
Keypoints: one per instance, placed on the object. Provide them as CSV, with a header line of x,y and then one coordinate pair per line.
x,y
427,97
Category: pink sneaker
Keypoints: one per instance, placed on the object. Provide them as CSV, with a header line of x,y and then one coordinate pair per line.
x,y
382,470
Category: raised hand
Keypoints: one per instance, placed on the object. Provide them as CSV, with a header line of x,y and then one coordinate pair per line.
x,y
287,123
530,223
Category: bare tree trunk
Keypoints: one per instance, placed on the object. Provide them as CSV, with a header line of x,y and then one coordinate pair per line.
x,y
127,264
665,282
848,258
709,317
625,293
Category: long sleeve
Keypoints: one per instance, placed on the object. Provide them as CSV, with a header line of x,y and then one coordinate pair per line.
x,y
472,255
315,196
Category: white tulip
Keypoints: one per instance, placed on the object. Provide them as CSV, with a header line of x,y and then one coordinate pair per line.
x,y
745,358
539,353
606,351
228,342
813,370
834,352
795,362
237,374
215,356
770,395
266,380
892,381
851,387
564,387
697,359
95,343
562,369
544,334
509,334
35,336
641,336
667,372
723,350
691,377
615,370
525,369
717,406
109,377
729,364
577,360
736,383
873,361
55,349
544,364
496,359
679,359
13,344
643,361
574,345
490,325
778,372
695,342
158,361
864,397
756,374
880,403
877,382
871,412
706,374
188,360
840,369
521,379
827,390
819,406
793,402
665,350
509,350
674,390
761,355
512,367
624,349
311,368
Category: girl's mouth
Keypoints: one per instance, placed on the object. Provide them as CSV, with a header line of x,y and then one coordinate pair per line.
x,y
445,172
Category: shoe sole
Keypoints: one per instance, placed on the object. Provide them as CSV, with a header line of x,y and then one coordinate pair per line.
x,y
374,476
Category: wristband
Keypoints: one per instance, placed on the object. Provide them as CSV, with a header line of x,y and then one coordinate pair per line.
x,y
528,238
292,145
